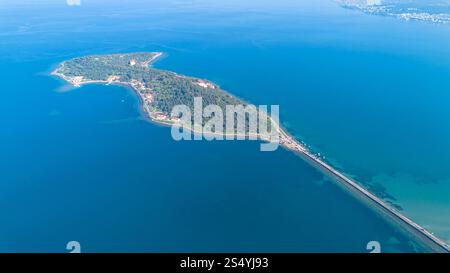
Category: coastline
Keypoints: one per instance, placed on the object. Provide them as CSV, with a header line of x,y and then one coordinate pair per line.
x,y
289,143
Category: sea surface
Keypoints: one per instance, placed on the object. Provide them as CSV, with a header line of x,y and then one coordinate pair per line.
x,y
369,93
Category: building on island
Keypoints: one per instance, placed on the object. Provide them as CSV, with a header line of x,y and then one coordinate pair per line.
x,y
205,84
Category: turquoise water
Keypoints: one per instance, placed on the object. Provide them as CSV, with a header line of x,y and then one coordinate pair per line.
x,y
81,164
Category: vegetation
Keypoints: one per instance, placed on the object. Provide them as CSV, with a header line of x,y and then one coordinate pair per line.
x,y
168,89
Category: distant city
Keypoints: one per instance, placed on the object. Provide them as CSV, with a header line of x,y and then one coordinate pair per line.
x,y
436,11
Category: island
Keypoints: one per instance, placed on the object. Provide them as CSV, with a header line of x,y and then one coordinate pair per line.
x,y
160,91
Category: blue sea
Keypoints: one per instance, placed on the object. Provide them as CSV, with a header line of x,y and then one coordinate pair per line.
x,y
370,93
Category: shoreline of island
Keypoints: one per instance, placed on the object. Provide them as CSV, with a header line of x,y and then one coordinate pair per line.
x,y
289,143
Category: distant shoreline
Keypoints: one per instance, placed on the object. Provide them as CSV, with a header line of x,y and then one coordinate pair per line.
x,y
290,143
